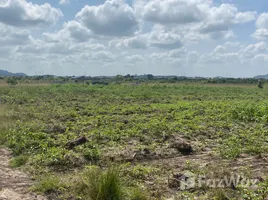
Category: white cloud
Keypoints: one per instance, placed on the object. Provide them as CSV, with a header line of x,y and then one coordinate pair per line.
x,y
61,48
220,19
172,11
62,2
113,18
136,42
261,32
262,21
256,48
40,48
177,53
194,19
172,56
248,52
10,36
71,30
21,13
244,17
103,56
163,39
134,59
219,49
183,37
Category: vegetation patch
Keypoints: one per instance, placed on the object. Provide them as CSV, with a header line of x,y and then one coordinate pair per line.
x,y
152,131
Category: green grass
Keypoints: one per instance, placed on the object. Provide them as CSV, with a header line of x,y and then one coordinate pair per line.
x,y
138,194
121,121
19,161
49,184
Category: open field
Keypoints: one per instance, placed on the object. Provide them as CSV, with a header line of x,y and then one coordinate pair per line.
x,y
142,139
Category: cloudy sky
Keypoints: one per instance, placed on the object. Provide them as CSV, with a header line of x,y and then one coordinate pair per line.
x,y
161,37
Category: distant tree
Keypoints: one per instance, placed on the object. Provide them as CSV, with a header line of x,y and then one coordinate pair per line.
x,y
128,77
65,79
119,77
260,84
150,77
12,81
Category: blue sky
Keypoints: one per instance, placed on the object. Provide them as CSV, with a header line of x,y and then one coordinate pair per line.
x,y
167,37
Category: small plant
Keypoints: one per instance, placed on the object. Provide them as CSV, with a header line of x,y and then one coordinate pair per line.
x,y
231,147
91,154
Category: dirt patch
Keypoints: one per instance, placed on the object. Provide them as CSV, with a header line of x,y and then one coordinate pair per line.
x,y
14,184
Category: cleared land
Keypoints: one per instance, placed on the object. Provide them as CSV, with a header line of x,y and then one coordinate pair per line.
x,y
152,134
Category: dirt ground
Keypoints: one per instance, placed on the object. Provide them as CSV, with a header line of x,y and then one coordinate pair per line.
x,y
14,184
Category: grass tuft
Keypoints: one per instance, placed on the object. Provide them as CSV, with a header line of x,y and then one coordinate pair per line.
x,y
101,185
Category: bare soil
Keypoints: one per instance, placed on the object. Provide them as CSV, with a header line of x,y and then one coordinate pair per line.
x,y
14,184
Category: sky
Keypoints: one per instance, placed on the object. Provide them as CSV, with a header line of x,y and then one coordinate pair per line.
x,y
162,37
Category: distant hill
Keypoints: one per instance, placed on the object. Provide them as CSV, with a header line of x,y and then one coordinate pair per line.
x,y
261,76
6,73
